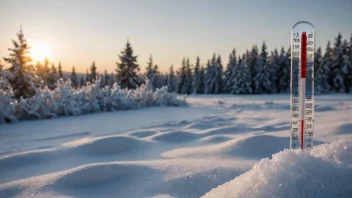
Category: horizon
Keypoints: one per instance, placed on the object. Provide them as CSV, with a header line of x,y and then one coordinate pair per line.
x,y
80,32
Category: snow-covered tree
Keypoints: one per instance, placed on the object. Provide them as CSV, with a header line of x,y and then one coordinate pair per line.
x,y
73,78
337,62
252,60
262,79
106,78
350,46
46,71
346,66
321,71
172,83
127,69
274,68
284,71
93,72
53,77
21,72
87,76
241,79
153,74
210,77
214,76
231,66
157,79
197,89
347,72
165,79
81,81
202,80
1,68
182,78
219,77
60,71
189,77
111,79
150,69
39,69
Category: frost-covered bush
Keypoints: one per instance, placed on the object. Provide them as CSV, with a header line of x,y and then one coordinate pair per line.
x,y
67,101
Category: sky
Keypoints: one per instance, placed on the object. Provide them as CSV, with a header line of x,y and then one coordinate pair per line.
x,y
78,32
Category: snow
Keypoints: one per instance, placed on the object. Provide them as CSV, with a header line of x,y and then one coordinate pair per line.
x,y
218,146
324,171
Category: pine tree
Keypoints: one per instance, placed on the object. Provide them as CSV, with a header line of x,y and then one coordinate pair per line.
x,y
156,78
231,66
283,72
196,78
182,78
53,77
219,76
347,72
337,62
111,79
171,83
82,83
20,74
39,69
189,74
73,78
87,76
150,69
346,67
350,54
321,71
202,80
165,79
93,72
1,68
252,62
240,80
274,68
127,69
60,71
210,77
208,84
106,79
46,71
263,77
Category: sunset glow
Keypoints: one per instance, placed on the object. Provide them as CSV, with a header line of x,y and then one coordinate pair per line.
x,y
39,52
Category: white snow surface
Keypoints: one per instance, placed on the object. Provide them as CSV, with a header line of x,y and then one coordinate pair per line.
x,y
219,146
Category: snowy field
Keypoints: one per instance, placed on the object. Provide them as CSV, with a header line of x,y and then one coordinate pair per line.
x,y
219,146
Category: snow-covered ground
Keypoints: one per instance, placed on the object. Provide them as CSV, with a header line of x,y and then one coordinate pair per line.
x,y
213,148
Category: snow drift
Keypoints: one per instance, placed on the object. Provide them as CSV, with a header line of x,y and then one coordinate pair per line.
x,y
324,171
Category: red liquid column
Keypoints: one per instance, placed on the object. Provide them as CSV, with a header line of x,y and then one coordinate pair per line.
x,y
303,76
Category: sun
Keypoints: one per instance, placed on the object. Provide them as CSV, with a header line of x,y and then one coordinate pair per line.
x,y
39,52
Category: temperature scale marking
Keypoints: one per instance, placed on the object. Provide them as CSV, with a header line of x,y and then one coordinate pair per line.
x,y
302,85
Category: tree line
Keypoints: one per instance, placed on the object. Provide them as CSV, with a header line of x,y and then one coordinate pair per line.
x,y
255,72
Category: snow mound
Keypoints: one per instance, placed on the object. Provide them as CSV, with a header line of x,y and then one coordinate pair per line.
x,y
209,122
344,129
142,134
324,171
176,137
248,147
265,146
320,108
216,139
95,174
109,145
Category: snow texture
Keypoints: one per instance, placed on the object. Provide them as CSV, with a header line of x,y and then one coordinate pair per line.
x,y
218,146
